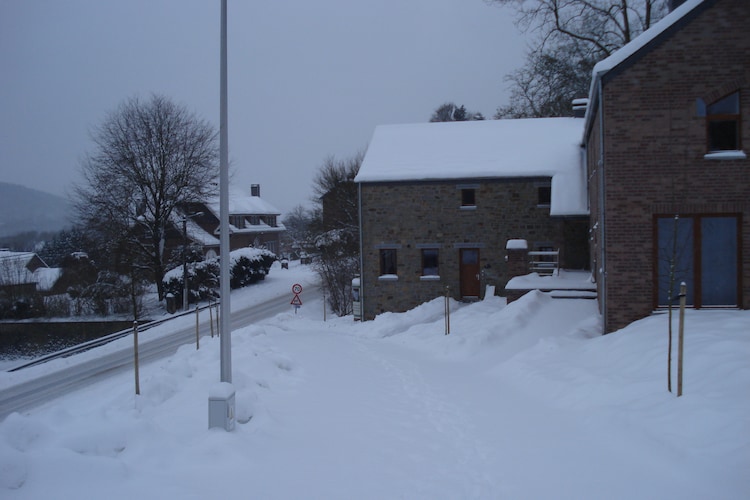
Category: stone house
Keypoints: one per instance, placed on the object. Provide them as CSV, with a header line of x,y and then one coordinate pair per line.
x,y
252,222
665,133
438,202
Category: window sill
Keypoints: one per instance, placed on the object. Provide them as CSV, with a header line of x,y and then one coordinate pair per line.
x,y
388,277
429,278
468,207
726,155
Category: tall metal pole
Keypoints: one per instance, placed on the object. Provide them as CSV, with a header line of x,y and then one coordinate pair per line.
x,y
226,340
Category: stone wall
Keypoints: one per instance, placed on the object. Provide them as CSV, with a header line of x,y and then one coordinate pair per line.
x,y
411,216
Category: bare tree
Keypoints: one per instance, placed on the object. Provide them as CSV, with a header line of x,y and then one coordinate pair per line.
x,y
570,35
149,157
335,191
449,112
336,230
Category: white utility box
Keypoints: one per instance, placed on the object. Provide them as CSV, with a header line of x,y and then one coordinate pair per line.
x,y
221,406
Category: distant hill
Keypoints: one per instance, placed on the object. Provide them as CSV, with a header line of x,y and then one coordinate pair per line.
x,y
23,209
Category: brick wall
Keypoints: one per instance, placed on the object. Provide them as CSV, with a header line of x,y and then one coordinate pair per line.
x,y
654,146
408,216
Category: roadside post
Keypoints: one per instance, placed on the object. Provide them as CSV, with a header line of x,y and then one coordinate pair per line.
x,y
681,337
211,318
197,330
296,301
447,310
135,357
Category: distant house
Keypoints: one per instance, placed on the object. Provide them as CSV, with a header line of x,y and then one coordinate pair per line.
x,y
252,222
25,274
669,179
439,201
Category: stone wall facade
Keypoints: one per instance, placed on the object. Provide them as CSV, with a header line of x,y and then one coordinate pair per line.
x,y
651,160
411,216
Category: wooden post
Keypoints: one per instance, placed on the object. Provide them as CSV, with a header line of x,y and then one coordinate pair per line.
x,y
447,310
211,318
135,357
197,330
681,337
218,330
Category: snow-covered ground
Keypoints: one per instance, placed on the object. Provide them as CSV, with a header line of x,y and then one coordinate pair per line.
x,y
519,401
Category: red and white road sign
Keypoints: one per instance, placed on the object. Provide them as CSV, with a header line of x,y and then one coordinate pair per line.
x,y
296,290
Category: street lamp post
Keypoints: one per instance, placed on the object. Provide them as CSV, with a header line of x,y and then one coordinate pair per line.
x,y
184,259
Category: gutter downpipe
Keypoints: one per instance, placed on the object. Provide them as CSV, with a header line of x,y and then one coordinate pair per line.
x,y
602,205
362,297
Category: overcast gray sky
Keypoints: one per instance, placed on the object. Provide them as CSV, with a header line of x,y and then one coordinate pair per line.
x,y
307,79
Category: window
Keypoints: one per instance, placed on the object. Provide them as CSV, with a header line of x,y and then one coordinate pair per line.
x,y
237,221
544,195
468,197
723,124
430,262
704,252
388,261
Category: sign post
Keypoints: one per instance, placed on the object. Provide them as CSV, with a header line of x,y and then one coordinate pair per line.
x,y
296,301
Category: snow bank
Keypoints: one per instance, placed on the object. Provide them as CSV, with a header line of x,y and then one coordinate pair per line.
x,y
519,401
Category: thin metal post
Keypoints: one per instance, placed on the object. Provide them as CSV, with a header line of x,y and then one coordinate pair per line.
x,y
681,337
211,318
135,357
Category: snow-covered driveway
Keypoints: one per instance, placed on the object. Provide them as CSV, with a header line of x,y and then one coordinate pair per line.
x,y
520,401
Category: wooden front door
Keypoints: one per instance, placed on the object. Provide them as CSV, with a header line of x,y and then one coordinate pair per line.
x,y
469,272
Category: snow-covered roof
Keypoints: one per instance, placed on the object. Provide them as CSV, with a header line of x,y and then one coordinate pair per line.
x,y
15,270
46,277
646,37
534,147
241,203
632,48
195,232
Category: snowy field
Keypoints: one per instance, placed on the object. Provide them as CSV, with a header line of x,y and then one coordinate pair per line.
x,y
519,401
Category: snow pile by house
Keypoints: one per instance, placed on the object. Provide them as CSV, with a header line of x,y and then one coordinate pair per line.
x,y
518,401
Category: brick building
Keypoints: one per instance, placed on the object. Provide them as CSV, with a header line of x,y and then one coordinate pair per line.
x,y
665,132
253,222
438,202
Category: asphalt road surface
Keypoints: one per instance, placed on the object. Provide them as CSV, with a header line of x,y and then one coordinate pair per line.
x,y
33,392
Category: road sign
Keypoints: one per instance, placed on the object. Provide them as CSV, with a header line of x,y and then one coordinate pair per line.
x,y
296,301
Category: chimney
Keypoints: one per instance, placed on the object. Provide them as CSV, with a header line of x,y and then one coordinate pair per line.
x,y
579,107
255,190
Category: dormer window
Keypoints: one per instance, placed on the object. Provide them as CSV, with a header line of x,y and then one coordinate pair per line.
x,y
723,124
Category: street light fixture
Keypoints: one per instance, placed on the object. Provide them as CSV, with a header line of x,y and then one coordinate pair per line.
x,y
184,258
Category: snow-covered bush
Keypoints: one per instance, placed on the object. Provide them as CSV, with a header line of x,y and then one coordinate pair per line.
x,y
246,266
203,281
